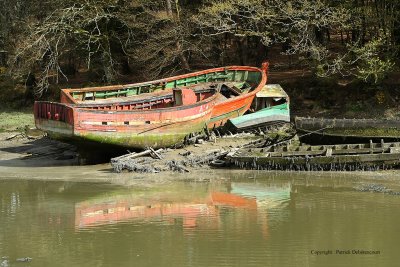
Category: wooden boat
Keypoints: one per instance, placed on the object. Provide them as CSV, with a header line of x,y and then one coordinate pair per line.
x,y
161,119
331,131
271,107
237,86
349,157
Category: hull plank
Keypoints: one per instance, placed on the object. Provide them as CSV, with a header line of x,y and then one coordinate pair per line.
x,y
351,157
265,117
140,128
148,114
330,131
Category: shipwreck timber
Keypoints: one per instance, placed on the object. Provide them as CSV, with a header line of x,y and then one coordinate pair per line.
x,y
334,131
348,157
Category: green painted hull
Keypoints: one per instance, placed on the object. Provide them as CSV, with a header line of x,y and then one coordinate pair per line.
x,y
63,131
266,116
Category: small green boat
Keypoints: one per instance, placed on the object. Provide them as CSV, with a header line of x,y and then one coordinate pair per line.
x,y
272,104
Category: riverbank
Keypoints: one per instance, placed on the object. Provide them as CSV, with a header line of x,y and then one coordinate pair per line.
x,y
16,164
309,97
27,157
15,120
24,156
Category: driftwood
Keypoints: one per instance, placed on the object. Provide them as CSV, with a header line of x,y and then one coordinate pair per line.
x,y
176,166
142,165
134,161
155,154
134,155
14,136
215,157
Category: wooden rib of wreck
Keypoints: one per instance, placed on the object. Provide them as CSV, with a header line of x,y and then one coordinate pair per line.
x,y
331,131
271,106
160,119
236,85
349,157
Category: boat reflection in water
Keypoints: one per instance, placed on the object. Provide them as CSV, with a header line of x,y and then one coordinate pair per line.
x,y
184,205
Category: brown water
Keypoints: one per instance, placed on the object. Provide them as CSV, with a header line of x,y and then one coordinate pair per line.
x,y
272,220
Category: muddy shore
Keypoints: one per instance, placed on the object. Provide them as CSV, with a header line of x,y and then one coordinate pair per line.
x,y
27,157
16,163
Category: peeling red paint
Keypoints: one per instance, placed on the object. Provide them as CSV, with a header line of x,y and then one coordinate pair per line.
x,y
117,119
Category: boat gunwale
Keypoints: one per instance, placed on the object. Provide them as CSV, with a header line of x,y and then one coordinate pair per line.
x,y
78,108
151,97
262,70
258,88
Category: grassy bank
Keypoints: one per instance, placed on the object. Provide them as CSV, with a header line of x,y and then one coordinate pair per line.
x,y
15,120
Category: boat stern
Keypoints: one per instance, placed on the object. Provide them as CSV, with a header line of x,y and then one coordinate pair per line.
x,y
55,119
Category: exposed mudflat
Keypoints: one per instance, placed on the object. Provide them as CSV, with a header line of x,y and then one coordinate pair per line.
x,y
189,158
23,158
45,159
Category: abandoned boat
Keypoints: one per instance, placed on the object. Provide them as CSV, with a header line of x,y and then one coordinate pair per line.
x,y
271,106
236,86
331,131
348,157
160,119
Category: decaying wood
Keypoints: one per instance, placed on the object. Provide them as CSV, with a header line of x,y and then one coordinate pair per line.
x,y
135,162
349,157
176,166
14,136
155,154
132,155
152,161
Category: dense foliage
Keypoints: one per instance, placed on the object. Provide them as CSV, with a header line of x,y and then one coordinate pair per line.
x,y
43,42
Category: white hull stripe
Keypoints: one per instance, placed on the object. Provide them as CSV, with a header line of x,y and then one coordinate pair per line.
x,y
144,122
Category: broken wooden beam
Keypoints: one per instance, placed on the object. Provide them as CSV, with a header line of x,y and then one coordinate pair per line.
x,y
155,154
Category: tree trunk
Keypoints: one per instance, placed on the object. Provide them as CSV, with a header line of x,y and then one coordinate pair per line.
x,y
341,37
182,58
243,49
169,8
178,45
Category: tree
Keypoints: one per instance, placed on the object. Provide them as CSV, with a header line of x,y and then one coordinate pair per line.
x,y
167,41
93,31
52,40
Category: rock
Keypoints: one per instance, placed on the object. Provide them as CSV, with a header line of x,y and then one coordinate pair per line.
x,y
33,132
4,262
26,259
185,154
213,151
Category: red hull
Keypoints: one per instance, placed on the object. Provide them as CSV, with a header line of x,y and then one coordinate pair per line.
x,y
224,109
140,115
237,106
137,128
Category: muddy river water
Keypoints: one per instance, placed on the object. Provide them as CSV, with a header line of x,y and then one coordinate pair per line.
x,y
229,219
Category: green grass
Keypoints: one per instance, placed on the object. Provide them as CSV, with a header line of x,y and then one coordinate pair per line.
x,y
15,120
